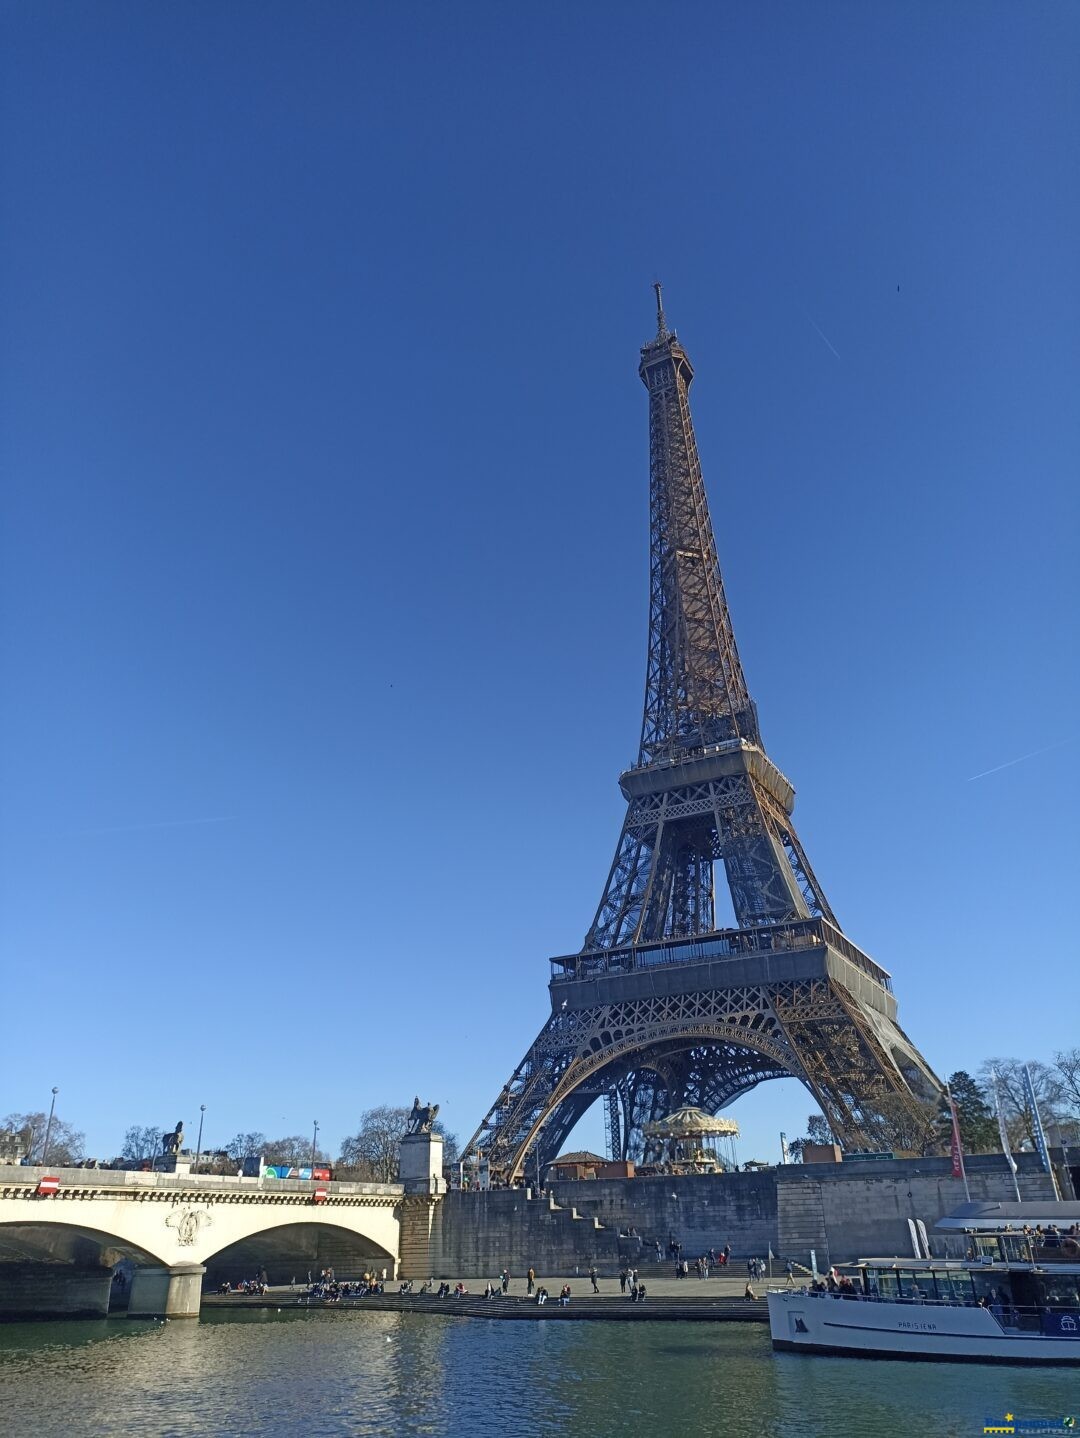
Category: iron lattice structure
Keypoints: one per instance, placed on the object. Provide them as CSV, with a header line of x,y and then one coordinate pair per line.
x,y
660,1008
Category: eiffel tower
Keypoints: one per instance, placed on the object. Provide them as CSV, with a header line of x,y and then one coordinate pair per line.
x,y
660,1008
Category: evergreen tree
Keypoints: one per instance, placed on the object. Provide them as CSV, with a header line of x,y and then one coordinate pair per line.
x,y
978,1126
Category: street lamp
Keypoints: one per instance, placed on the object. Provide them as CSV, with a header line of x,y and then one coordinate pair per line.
x,y
198,1146
48,1129
314,1142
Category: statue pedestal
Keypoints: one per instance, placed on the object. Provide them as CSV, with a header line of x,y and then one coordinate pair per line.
x,y
420,1170
171,1163
421,1163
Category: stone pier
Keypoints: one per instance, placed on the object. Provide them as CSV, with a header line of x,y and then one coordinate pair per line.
x,y
421,1166
174,1292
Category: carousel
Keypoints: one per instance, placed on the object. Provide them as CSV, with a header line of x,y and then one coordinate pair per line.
x,y
690,1141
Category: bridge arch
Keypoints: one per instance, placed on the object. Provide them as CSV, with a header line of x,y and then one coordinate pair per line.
x,y
293,1250
67,1241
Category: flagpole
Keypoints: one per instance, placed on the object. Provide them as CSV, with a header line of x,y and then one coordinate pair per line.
x,y
1003,1131
957,1146
1040,1134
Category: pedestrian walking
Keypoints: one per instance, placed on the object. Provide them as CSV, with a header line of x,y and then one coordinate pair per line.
x,y
530,1280
622,1280
506,1280
592,1279
789,1269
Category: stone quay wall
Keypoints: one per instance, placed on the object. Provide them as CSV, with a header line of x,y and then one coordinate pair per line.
x,y
841,1211
861,1210
60,1290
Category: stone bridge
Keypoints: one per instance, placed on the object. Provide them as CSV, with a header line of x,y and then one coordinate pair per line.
x,y
169,1232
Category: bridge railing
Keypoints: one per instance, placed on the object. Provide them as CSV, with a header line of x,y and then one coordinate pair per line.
x,y
210,1183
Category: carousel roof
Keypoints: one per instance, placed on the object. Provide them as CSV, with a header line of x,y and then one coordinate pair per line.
x,y
690,1123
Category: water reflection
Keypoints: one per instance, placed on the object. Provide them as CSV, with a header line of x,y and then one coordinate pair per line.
x,y
378,1373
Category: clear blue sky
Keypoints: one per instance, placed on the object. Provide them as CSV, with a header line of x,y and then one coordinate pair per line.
x,y
325,518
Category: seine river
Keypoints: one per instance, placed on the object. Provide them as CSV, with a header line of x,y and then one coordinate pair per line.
x,y
402,1374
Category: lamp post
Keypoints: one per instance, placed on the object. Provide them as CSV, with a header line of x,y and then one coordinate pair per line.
x,y
198,1146
314,1142
48,1130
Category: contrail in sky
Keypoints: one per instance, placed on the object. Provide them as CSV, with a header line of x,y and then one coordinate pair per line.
x,y
821,332
163,824
1010,762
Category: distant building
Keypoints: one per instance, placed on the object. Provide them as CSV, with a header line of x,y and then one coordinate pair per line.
x,y
572,1166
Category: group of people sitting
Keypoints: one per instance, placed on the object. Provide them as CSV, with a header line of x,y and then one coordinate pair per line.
x,y
246,1285
334,1290
542,1296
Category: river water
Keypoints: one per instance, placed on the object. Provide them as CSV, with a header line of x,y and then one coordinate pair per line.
x,y
373,1373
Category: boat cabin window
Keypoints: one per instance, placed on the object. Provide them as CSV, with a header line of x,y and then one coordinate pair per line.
x,y
915,1284
883,1282
954,1286
944,1285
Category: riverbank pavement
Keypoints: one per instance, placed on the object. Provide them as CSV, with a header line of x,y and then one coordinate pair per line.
x,y
720,1298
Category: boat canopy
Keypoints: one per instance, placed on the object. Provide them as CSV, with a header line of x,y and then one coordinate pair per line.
x,y
983,1214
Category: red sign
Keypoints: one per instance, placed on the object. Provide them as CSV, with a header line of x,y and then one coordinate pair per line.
x,y
319,1196
47,1185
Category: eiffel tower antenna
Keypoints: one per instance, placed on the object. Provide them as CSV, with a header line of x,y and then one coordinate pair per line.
x,y
661,323
660,1008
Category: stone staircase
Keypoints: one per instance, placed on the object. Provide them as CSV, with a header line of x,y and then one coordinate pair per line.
x,y
801,1222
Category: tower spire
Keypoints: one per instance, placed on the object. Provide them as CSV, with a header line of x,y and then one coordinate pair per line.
x,y
661,323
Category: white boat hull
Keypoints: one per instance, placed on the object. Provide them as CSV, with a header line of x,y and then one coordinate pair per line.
x,y
865,1327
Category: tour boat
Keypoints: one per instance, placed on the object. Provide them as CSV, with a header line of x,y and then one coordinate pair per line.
x,y
1014,1298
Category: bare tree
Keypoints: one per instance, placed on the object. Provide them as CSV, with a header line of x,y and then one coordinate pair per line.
x,y
373,1149
246,1145
66,1144
1016,1106
141,1142
1066,1070
294,1151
